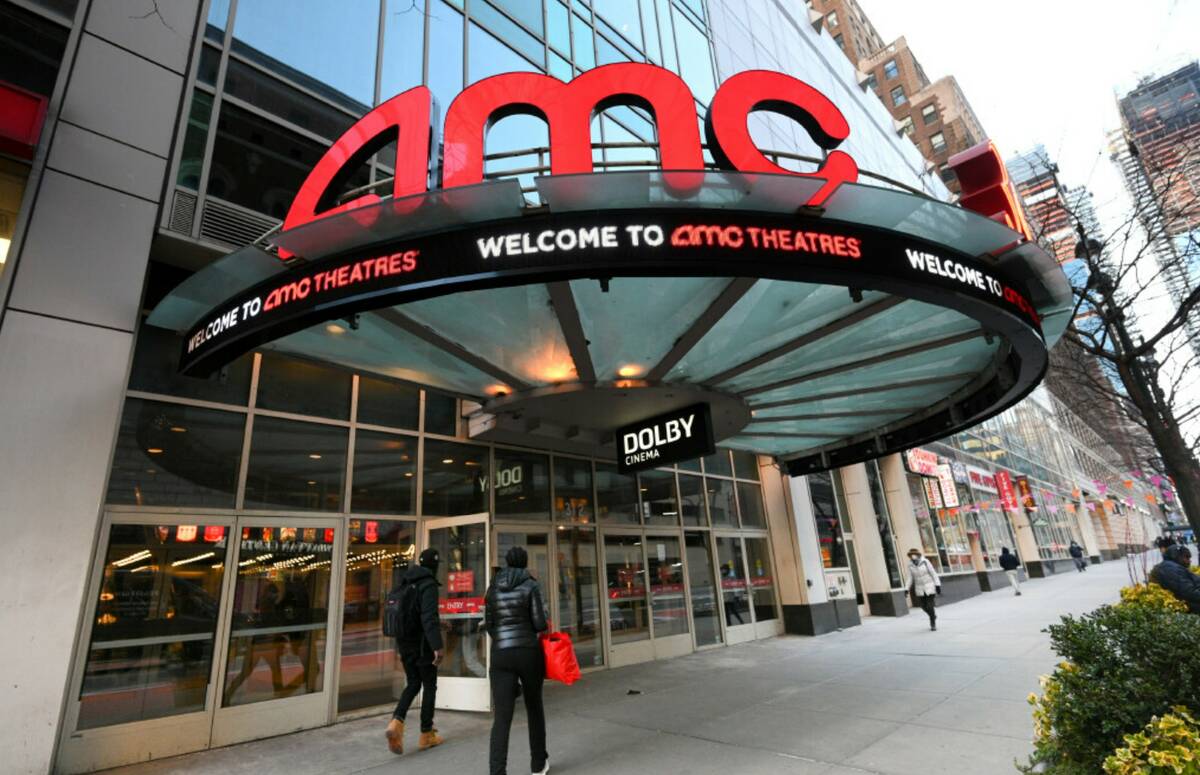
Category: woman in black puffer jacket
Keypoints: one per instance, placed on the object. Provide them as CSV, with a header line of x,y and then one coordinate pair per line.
x,y
515,616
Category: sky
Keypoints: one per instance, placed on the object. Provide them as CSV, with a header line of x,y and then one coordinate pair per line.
x,y
1049,72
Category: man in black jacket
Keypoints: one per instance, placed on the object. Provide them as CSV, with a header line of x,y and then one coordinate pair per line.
x,y
1076,552
1011,565
421,650
1175,575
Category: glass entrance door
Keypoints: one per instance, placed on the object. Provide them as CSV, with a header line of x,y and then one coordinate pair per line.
x,y
462,543
276,631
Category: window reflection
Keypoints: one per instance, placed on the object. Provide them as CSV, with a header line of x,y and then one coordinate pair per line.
x,y
703,589
285,101
720,502
152,637
668,601
378,554
156,365
456,479
176,455
573,490
762,580
280,614
691,497
385,473
733,581
445,53
403,48
627,615
659,503
296,465
392,404
826,514
750,500
303,387
616,495
522,483
579,593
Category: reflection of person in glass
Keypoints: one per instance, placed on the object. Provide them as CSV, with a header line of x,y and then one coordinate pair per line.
x,y
514,616
734,609
421,650
294,611
268,647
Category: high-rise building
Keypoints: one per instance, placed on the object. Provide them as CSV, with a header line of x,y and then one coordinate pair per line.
x,y
1157,150
851,29
936,115
1045,200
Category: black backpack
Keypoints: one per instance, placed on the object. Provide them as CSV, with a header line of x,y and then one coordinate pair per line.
x,y
402,612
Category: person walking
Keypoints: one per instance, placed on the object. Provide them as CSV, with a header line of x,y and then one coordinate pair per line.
x,y
515,616
1011,565
1076,552
924,584
1175,575
421,650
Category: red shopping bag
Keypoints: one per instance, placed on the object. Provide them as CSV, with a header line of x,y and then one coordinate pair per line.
x,y
561,664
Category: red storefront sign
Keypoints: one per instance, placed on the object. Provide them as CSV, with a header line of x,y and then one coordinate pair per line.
x,y
624,593
732,584
1026,492
213,533
568,108
933,493
921,461
1005,487
981,479
761,581
460,581
460,605
666,589
949,490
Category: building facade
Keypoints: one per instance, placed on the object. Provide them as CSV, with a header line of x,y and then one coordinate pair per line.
x,y
213,567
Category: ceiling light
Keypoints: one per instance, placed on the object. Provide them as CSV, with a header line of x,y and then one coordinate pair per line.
x,y
155,450
448,460
4,244
178,429
312,481
408,473
629,370
334,328
315,456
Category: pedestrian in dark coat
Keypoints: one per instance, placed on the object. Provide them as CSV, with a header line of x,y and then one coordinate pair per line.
x,y
1011,566
1174,574
421,652
1076,552
515,617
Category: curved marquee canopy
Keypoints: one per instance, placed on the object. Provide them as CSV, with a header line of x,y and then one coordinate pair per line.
x,y
822,337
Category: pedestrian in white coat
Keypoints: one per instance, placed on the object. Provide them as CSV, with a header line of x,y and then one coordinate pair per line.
x,y
924,584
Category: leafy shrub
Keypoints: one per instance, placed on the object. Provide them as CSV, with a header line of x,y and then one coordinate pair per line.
x,y
1169,745
1152,595
1124,665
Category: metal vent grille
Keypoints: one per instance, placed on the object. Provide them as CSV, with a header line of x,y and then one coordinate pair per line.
x,y
183,212
228,223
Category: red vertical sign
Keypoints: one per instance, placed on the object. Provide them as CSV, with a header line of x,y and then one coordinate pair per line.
x,y
1004,485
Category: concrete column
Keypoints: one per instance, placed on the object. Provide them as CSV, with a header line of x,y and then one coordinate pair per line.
x,y
66,338
789,567
1026,542
881,598
810,611
1091,544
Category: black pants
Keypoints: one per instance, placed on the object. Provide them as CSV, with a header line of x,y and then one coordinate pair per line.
x,y
420,673
928,604
512,667
1080,564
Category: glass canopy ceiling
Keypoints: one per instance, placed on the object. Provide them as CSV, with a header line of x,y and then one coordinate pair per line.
x,y
817,367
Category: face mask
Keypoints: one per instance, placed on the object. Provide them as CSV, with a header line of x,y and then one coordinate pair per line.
x,y
917,558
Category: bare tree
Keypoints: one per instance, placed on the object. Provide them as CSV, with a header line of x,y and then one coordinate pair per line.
x,y
1147,377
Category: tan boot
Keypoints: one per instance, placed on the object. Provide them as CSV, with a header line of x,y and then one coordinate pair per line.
x,y
395,736
429,740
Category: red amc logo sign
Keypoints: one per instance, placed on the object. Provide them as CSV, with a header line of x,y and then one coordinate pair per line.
x,y
568,109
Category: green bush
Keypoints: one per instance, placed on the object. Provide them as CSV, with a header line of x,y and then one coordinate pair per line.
x,y
1123,665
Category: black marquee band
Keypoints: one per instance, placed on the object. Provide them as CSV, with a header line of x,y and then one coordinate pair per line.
x,y
645,242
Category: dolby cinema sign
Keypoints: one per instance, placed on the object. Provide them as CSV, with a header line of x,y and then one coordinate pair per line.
x,y
684,434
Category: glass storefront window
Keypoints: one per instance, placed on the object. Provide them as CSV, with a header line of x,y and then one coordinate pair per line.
x,y
463,550
957,543
930,541
628,619
579,593
883,521
387,403
718,464
441,414
659,503
616,495
176,455
826,513
280,614
691,500
690,465
721,504
156,369
446,39
191,161
296,465
667,598
751,502
733,581
303,387
385,473
152,637
522,484
403,48
762,580
537,546
573,490
455,479
706,619
378,554
745,464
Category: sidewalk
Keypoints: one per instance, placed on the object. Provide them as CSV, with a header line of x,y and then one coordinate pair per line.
x,y
887,697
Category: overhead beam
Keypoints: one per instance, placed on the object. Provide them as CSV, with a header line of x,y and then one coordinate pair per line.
x,y
836,415
857,316
428,335
563,301
873,360
701,326
941,378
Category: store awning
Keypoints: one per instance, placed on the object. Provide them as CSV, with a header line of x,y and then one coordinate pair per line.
x,y
821,337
